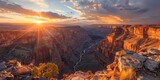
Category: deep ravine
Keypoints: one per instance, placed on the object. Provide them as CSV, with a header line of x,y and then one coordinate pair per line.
x,y
83,53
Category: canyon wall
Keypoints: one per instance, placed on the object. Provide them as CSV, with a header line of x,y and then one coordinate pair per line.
x,y
130,52
61,45
137,38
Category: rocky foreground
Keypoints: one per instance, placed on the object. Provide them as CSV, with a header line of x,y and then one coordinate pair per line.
x,y
126,66
13,69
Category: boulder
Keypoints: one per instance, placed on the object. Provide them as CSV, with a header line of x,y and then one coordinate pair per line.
x,y
23,70
12,61
135,61
139,57
3,75
9,76
152,65
77,78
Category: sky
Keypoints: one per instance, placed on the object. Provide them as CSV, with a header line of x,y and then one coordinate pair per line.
x,y
80,11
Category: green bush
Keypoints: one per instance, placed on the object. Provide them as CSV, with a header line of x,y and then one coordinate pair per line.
x,y
45,70
35,72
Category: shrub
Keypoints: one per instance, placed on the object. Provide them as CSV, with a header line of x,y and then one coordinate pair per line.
x,y
35,72
45,70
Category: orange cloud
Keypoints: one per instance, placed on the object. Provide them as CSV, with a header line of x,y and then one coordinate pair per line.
x,y
111,19
15,8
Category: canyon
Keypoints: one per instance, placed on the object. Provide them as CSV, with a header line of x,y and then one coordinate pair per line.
x,y
114,52
129,52
136,38
70,47
57,45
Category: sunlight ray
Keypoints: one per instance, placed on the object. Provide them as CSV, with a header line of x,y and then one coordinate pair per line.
x,y
51,34
27,31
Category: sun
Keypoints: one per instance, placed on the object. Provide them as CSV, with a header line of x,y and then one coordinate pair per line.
x,y
39,22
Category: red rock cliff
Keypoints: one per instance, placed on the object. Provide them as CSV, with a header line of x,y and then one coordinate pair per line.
x,y
137,38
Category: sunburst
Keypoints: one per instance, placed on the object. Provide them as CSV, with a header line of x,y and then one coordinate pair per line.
x,y
39,22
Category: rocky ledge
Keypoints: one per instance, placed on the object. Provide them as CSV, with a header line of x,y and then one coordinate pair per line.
x,y
136,38
126,66
14,70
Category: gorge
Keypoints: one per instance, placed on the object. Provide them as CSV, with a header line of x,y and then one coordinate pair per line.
x,y
129,52
129,49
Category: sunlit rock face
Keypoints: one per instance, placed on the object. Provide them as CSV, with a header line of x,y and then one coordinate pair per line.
x,y
142,45
127,65
137,38
61,45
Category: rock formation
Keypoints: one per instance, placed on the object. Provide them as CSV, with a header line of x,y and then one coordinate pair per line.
x,y
126,66
137,38
142,40
130,52
61,45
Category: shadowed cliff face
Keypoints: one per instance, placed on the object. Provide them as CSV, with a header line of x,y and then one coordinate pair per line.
x,y
137,38
60,45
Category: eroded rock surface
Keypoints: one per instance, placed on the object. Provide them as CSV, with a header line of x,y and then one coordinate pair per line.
x,y
126,66
138,53
136,38
142,45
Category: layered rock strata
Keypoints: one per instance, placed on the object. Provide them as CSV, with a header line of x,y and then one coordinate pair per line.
x,y
137,38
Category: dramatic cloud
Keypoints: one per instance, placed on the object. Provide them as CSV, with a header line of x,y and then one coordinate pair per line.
x,y
126,10
106,11
4,6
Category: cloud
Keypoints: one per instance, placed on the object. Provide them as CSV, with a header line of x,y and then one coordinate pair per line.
x,y
4,6
68,0
78,11
52,15
111,19
5,17
39,2
126,10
